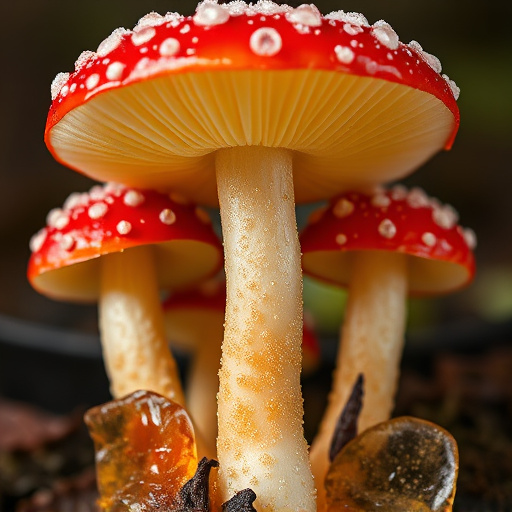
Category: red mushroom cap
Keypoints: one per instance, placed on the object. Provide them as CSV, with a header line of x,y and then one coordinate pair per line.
x,y
210,296
65,254
152,104
398,220
191,313
311,355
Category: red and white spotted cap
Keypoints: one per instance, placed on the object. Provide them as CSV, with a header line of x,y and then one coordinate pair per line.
x,y
400,220
66,253
189,314
151,105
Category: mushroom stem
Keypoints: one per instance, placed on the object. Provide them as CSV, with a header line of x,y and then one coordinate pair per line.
x,y
371,343
135,348
203,384
261,441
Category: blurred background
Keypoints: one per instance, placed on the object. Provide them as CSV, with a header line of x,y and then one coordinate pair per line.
x,y
39,39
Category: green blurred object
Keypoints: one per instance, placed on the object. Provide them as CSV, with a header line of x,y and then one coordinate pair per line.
x,y
493,294
326,304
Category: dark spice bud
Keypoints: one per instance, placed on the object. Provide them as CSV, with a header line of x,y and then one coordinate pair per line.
x,y
241,502
194,495
346,426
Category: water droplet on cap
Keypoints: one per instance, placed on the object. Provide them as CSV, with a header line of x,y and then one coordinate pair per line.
x,y
123,227
266,42
167,216
133,198
97,210
58,84
387,229
344,54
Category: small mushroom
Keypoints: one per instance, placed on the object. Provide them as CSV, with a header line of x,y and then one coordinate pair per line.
x,y
194,322
119,246
251,106
383,246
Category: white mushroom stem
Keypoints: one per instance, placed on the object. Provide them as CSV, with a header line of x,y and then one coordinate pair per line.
x,y
203,383
135,348
261,442
202,389
371,343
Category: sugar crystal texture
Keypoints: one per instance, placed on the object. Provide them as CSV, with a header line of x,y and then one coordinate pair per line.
x,y
430,59
354,18
266,41
385,34
145,451
84,58
453,86
305,14
58,83
152,19
111,42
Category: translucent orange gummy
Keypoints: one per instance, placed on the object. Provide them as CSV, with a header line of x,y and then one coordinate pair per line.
x,y
401,465
145,451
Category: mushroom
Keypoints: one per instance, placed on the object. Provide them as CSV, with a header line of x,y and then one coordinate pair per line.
x,y
119,246
384,246
217,106
194,322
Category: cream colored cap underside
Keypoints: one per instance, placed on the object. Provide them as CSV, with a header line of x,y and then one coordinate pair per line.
x,y
178,265
345,130
425,276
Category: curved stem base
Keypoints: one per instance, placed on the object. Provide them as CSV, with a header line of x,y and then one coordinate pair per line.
x,y
371,343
